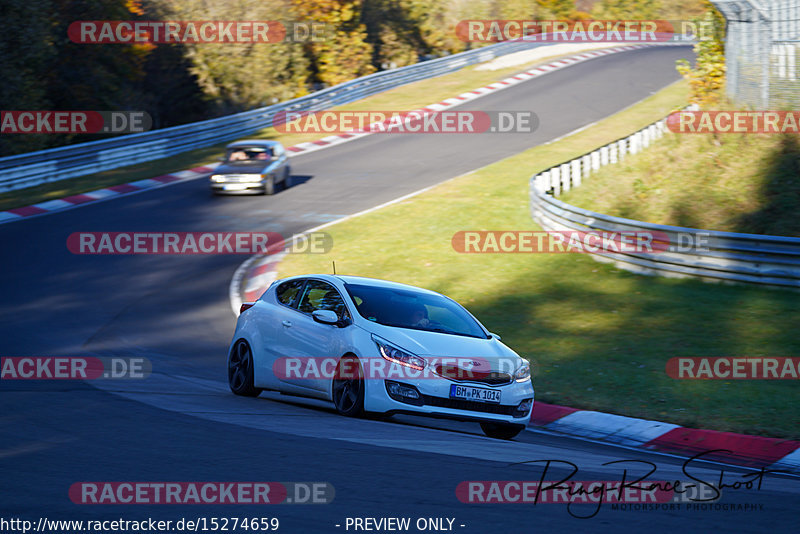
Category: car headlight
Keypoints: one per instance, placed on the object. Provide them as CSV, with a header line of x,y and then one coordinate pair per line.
x,y
217,178
393,354
523,373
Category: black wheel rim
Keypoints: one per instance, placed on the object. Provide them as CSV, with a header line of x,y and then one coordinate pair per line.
x,y
347,391
239,365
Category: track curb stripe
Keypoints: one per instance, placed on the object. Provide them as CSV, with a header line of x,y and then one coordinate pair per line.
x,y
740,449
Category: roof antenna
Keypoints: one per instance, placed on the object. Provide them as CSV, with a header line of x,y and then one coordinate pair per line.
x,y
334,267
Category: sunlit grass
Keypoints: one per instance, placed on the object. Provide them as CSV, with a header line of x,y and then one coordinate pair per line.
x,y
734,182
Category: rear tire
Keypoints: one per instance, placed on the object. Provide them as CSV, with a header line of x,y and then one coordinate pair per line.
x,y
501,430
348,387
240,370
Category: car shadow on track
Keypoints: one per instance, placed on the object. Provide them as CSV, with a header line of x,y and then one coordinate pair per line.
x,y
320,406
297,179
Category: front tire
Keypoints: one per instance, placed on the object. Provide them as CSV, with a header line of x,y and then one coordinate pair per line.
x,y
240,370
501,430
269,185
348,387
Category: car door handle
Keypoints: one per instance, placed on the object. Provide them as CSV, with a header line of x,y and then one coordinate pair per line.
x,y
286,323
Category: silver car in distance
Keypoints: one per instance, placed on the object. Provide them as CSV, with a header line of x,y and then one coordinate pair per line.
x,y
373,346
257,165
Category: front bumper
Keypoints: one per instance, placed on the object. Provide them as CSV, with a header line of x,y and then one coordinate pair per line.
x,y
237,187
435,401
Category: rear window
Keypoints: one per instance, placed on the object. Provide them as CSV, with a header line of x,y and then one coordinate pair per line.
x,y
287,292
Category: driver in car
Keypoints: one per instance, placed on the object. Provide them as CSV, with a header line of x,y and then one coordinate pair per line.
x,y
419,317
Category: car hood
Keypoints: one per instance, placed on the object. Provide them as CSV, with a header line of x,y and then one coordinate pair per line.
x,y
425,343
248,168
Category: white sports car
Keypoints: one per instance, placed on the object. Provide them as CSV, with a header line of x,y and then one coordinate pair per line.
x,y
374,346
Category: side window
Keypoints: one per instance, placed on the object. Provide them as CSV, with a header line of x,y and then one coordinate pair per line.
x,y
320,295
288,292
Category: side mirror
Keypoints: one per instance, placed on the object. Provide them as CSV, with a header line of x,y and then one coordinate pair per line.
x,y
325,317
495,336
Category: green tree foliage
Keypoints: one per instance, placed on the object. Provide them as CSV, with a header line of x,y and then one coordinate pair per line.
x,y
344,54
707,77
25,57
627,10
557,9
238,76
44,70
682,9
91,76
648,9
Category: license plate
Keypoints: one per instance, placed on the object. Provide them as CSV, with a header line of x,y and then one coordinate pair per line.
x,y
474,394
234,187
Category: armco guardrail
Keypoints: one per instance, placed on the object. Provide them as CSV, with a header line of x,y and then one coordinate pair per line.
x,y
34,168
26,170
710,255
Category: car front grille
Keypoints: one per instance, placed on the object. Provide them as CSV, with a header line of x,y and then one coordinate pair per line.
x,y
470,406
241,178
457,374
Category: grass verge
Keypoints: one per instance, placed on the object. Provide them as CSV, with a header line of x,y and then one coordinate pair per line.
x,y
598,337
736,182
407,97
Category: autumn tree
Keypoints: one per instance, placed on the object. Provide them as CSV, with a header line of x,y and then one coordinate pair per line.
x,y
556,9
707,77
627,10
344,54
238,76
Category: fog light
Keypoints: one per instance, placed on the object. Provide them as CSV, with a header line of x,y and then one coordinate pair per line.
x,y
403,392
525,406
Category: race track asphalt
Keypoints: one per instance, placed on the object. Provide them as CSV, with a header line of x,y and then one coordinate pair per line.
x,y
182,423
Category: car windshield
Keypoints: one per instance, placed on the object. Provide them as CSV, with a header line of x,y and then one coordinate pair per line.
x,y
413,309
248,155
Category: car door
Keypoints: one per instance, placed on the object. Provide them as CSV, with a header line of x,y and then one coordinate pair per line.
x,y
307,339
281,316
